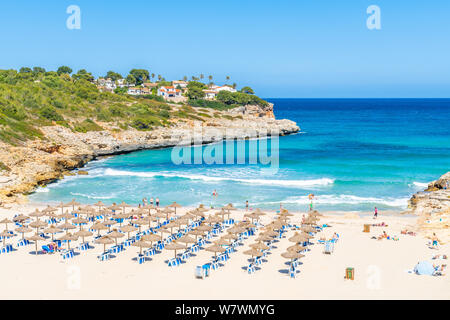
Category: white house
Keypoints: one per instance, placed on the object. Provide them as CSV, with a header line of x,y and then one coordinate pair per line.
x,y
179,83
210,94
135,91
225,88
169,92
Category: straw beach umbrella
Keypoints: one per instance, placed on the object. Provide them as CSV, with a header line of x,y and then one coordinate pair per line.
x,y
296,248
298,238
83,233
150,237
52,230
215,248
105,240
116,235
259,246
20,218
292,255
36,214
68,237
72,203
37,224
99,226
128,228
197,233
36,238
142,244
223,242
253,253
23,230
186,239
174,205
6,222
174,246
5,234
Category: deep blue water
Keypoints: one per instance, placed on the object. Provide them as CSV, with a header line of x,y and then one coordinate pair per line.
x,y
353,154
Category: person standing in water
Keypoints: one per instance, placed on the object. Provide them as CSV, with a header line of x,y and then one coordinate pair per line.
x,y
375,215
151,201
157,201
246,205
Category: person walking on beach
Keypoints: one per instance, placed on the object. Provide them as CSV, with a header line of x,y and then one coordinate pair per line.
x,y
157,201
246,205
435,241
144,201
375,215
151,201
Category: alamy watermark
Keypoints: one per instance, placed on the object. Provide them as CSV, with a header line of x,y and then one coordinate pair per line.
x,y
374,20
73,22
229,146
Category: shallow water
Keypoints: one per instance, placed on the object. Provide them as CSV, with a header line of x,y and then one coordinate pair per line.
x,y
352,154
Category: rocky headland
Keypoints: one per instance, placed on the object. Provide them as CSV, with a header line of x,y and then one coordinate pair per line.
x,y
42,161
433,208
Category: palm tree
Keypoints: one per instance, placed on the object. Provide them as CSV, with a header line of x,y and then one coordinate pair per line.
x,y
210,79
228,78
153,76
185,78
234,85
202,76
159,77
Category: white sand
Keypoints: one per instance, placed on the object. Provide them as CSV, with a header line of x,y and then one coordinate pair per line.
x,y
379,269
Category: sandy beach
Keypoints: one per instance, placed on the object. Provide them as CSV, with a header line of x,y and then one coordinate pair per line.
x,y
380,268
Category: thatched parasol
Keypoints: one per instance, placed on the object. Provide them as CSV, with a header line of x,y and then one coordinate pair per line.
x,y
105,240
142,244
116,235
215,248
83,233
68,237
6,221
128,228
23,230
52,230
35,238
174,246
259,246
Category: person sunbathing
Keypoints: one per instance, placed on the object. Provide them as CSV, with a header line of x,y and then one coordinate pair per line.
x,y
383,235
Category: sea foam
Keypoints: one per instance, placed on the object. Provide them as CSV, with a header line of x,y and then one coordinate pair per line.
x,y
284,183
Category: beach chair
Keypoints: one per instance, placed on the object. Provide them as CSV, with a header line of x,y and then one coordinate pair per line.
x,y
251,269
215,265
173,262
141,259
104,256
185,255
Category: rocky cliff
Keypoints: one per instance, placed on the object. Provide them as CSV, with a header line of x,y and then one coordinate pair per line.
x,y
433,208
40,162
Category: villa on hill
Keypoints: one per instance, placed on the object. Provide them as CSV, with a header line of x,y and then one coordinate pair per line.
x,y
171,93
212,91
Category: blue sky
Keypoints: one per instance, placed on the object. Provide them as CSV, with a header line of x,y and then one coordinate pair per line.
x,y
299,48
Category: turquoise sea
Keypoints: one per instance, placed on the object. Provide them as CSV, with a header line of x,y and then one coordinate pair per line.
x,y
352,154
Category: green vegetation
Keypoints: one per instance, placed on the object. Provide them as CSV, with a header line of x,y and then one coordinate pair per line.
x,y
33,98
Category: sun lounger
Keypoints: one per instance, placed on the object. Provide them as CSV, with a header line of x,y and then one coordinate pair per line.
x,y
23,242
251,269
175,262
104,256
141,259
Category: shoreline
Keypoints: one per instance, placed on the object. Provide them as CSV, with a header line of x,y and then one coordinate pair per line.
x,y
39,163
321,276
